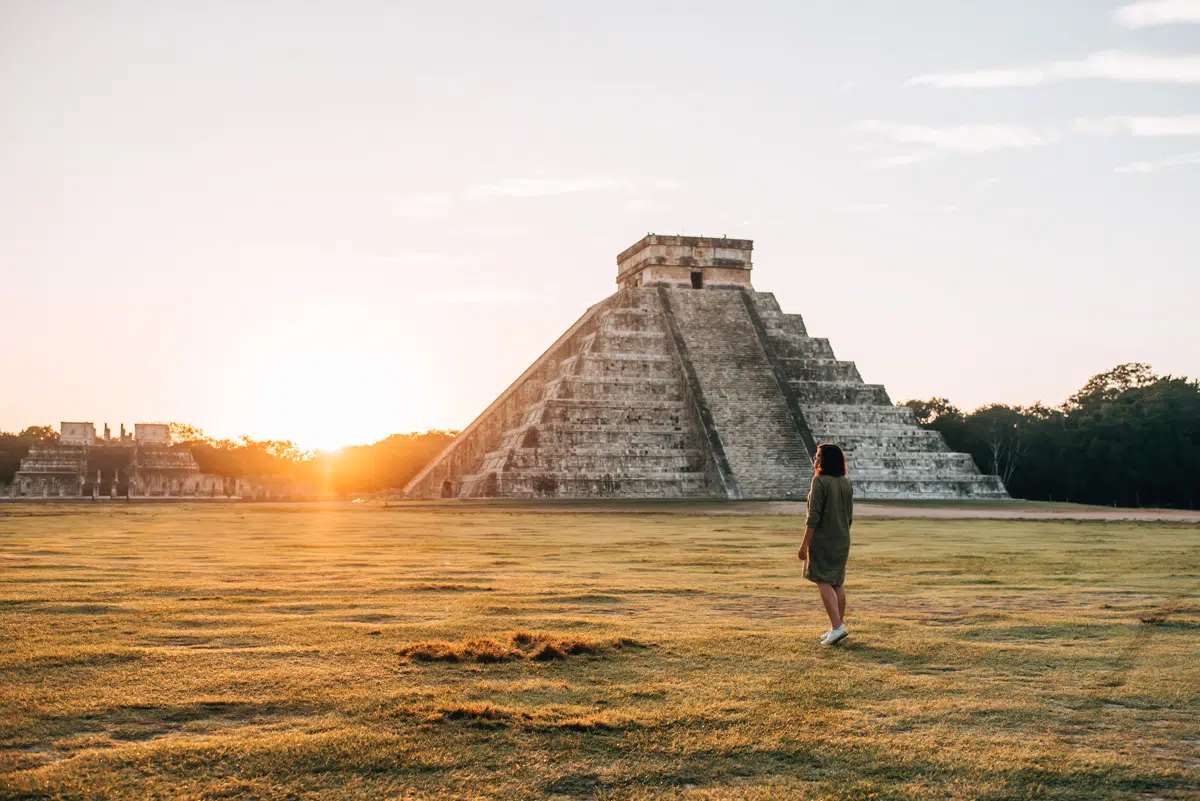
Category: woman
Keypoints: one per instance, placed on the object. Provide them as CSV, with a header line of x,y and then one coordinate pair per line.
x,y
826,542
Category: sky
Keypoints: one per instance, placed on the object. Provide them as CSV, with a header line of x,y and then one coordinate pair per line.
x,y
333,221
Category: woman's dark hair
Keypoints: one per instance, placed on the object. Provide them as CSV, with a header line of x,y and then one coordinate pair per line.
x,y
830,460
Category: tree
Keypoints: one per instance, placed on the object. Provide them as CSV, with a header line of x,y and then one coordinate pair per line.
x,y
39,434
1110,384
15,447
1128,437
932,410
939,414
184,434
999,427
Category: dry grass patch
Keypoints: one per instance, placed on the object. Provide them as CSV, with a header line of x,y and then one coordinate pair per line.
x,y
291,652
520,645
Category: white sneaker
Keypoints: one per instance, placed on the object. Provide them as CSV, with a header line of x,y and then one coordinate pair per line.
x,y
835,636
826,634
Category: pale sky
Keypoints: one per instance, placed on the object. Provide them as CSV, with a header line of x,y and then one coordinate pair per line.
x,y
332,221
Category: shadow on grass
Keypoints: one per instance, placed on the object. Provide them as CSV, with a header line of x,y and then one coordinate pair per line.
x,y
862,772
134,722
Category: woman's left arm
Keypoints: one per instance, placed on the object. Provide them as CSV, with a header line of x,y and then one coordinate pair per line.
x,y
805,543
816,506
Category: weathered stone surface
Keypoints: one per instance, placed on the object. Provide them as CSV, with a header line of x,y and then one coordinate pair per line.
x,y
888,454
688,383
766,453
686,262
83,464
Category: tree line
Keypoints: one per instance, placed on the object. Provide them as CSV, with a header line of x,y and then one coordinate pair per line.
x,y
13,448
389,463
1128,437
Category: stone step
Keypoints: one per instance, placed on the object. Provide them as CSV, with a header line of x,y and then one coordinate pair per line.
x,y
577,485
596,389
766,303
632,319
899,461
636,343
620,365
931,489
823,370
762,446
840,392
865,432
621,414
636,462
647,327
788,346
876,445
580,436
834,416
776,321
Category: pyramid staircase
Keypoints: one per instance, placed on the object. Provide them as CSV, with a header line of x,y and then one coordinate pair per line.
x,y
663,391
888,454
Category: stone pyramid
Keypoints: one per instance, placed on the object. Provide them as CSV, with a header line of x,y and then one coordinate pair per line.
x,y
687,383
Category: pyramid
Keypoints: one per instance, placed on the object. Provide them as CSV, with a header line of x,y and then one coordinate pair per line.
x,y
688,383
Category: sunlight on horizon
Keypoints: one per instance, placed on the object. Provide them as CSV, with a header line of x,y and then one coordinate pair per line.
x,y
268,249
325,386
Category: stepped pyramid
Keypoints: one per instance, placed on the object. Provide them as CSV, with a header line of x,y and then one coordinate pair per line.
x,y
687,383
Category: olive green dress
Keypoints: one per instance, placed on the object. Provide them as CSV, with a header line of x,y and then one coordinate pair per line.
x,y
830,514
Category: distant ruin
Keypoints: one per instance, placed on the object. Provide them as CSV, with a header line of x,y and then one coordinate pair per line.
x,y
142,464
689,383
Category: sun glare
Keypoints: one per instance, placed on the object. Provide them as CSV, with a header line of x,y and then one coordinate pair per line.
x,y
326,388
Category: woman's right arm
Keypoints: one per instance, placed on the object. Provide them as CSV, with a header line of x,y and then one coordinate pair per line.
x,y
805,544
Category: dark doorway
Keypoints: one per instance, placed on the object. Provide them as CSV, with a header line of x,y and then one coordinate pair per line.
x,y
697,279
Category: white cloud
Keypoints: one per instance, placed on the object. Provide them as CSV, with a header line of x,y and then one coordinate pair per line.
x,y
1145,13
422,207
1184,125
1186,160
957,139
903,160
986,182
862,147
545,187
1111,65
960,138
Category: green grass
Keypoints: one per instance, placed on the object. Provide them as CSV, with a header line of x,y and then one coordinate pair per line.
x,y
228,651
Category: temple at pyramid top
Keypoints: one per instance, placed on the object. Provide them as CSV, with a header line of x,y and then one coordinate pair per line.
x,y
666,389
695,262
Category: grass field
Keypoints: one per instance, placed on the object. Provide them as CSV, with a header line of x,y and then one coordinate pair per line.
x,y
229,651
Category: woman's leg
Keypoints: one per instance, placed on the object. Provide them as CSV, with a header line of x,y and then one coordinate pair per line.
x,y
840,590
830,599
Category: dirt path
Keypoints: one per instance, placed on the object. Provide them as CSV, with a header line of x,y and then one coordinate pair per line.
x,y
949,510
1017,511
